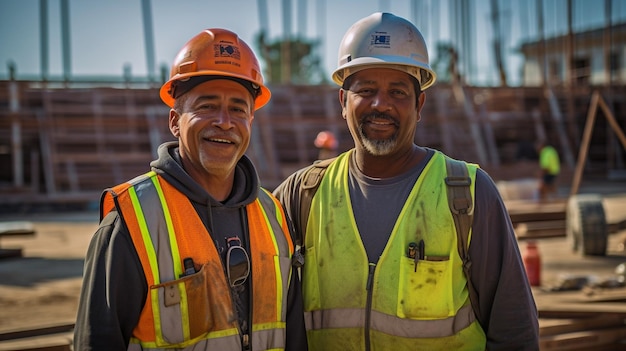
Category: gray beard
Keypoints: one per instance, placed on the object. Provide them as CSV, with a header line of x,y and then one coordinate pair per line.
x,y
378,147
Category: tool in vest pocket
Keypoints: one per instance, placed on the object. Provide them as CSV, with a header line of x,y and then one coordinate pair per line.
x,y
412,250
189,267
420,253
416,252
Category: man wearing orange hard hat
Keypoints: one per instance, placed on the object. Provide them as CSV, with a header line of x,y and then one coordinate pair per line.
x,y
195,254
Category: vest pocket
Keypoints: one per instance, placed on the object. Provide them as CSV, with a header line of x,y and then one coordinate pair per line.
x,y
424,290
184,309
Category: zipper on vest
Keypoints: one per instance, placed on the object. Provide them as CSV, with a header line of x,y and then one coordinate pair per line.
x,y
245,338
245,342
368,307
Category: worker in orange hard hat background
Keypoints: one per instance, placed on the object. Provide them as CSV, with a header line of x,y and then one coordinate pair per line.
x,y
404,247
327,144
195,254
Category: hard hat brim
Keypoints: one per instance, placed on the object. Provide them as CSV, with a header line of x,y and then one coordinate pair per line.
x,y
164,93
402,64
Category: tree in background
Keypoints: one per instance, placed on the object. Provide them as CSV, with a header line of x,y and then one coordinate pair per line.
x,y
445,63
304,65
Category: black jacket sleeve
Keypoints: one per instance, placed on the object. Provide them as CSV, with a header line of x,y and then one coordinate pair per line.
x,y
113,292
508,312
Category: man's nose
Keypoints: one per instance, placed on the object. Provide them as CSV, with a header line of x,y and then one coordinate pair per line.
x,y
222,119
381,102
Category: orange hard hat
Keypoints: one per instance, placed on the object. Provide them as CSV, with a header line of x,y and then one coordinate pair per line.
x,y
215,53
326,140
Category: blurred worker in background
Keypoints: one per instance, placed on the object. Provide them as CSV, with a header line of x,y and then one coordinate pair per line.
x,y
327,144
550,166
384,267
195,254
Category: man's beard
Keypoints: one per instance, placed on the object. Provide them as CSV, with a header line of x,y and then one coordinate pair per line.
x,y
375,146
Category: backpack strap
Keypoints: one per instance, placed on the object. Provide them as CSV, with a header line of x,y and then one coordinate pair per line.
x,y
310,182
462,207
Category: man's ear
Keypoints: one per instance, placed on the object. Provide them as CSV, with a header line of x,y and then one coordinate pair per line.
x,y
342,102
420,104
174,120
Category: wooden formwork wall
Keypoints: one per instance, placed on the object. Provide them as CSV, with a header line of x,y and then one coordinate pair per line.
x,y
71,143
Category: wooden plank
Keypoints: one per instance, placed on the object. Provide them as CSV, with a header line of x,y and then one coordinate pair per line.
x,y
540,229
529,211
584,146
16,228
53,342
592,339
604,295
39,331
557,306
562,326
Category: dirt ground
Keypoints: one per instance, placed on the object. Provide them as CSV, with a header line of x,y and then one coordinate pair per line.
x,y
42,287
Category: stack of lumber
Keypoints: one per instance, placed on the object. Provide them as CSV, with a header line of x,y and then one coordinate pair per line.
x,y
597,331
536,220
592,318
46,338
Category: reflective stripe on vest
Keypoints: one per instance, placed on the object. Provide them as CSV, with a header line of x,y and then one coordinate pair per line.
x,y
392,325
421,306
164,230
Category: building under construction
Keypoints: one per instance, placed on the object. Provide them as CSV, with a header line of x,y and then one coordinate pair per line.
x,y
64,140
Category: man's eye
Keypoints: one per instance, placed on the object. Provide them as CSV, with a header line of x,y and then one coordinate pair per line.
x,y
399,93
206,107
365,91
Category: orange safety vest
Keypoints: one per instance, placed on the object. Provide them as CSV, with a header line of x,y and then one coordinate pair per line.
x,y
198,309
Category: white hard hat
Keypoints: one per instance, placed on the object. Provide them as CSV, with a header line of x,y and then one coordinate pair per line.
x,y
383,40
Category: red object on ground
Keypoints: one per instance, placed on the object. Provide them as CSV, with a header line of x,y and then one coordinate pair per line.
x,y
532,263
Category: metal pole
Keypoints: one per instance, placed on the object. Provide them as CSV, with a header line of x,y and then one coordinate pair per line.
x,y
66,42
43,38
286,47
149,39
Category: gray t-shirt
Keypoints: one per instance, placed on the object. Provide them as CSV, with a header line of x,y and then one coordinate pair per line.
x,y
385,198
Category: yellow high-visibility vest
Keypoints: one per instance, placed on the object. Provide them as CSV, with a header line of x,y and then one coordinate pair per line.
x,y
394,304
549,160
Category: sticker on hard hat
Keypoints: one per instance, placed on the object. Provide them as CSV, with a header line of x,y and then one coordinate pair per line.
x,y
378,39
223,50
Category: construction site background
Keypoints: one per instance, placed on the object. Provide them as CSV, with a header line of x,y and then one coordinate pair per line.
x,y
64,145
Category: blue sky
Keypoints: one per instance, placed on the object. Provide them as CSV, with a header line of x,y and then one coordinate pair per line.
x,y
107,35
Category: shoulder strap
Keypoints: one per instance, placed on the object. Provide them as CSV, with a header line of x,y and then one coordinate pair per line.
x,y
462,208
310,182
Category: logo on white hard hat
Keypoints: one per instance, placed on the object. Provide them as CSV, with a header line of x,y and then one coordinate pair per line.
x,y
381,40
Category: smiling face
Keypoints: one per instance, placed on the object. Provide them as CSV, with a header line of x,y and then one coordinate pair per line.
x,y
382,109
212,123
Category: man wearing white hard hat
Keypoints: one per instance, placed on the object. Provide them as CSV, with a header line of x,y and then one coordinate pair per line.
x,y
404,247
